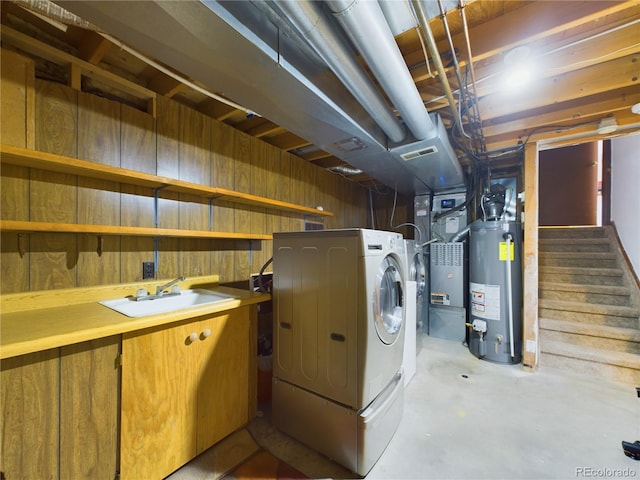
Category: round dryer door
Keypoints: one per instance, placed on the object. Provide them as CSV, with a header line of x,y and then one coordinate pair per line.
x,y
418,274
389,303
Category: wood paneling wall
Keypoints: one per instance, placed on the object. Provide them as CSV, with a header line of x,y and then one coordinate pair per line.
x,y
180,143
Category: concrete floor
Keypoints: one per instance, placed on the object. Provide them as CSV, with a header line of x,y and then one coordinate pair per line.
x,y
466,418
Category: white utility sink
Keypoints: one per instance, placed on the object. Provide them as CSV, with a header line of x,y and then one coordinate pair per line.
x,y
188,298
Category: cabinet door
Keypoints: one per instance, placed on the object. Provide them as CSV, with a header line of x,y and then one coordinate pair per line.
x,y
30,415
89,409
158,409
223,379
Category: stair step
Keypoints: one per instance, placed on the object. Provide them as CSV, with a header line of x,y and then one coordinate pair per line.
x,y
578,259
591,335
620,359
574,245
581,275
612,315
589,317
613,310
571,232
603,294
617,366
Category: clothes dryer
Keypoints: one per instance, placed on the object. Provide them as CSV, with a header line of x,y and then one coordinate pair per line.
x,y
417,269
338,299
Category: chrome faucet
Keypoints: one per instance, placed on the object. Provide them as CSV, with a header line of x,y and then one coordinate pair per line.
x,y
142,294
162,288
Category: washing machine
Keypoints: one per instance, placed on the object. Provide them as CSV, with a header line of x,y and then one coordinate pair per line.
x,y
339,324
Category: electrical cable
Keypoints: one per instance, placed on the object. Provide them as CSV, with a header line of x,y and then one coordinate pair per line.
x,y
373,220
393,209
261,285
409,224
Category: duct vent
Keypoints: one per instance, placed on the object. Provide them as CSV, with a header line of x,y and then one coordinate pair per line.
x,y
350,144
423,152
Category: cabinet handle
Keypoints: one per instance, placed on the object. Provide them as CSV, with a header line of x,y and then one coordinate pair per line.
x,y
193,337
206,333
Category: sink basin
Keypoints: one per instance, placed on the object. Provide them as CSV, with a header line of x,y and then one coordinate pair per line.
x,y
188,298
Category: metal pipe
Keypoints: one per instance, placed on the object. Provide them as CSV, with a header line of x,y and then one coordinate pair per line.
x,y
456,66
460,234
366,26
423,22
307,17
476,110
510,293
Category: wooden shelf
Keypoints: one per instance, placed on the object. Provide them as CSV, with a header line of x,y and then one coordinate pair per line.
x,y
31,227
25,157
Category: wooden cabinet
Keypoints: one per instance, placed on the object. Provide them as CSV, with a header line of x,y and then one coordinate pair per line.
x,y
60,412
30,415
184,387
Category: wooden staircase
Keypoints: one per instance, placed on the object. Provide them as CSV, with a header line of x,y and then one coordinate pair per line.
x,y
589,304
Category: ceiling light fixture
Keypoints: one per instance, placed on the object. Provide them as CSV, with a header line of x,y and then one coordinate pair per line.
x,y
345,170
519,70
636,108
517,77
607,125
517,55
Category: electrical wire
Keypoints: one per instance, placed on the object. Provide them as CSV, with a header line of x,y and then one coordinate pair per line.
x,y
591,60
393,209
456,65
424,48
409,224
261,285
373,220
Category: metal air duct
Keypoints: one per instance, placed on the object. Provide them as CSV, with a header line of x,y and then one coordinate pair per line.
x,y
308,18
369,31
250,53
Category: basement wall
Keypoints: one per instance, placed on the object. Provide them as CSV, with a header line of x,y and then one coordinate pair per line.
x,y
179,143
625,194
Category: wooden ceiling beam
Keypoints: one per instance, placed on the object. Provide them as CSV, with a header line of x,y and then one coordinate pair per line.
x,y
627,122
550,56
165,85
93,48
215,109
612,75
574,110
536,21
287,141
617,44
315,156
265,129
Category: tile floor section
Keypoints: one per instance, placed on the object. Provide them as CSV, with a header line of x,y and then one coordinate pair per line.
x,y
466,418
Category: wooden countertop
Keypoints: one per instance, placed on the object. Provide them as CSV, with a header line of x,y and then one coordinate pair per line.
x,y
49,324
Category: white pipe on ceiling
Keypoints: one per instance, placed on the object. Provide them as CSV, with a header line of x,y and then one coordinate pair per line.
x,y
369,31
308,18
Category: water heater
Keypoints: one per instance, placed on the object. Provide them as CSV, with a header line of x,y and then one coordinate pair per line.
x,y
495,290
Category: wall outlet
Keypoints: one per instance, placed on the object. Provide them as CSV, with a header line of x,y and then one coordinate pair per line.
x,y
148,270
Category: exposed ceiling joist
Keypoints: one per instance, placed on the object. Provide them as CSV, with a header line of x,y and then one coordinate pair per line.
x,y
588,53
